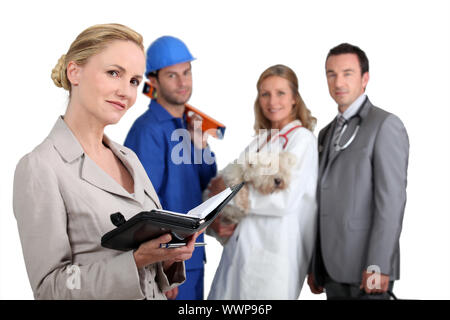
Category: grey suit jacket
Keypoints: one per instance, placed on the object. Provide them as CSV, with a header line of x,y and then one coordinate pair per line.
x,y
62,203
361,197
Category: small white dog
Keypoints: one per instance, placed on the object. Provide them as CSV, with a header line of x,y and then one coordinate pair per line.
x,y
267,172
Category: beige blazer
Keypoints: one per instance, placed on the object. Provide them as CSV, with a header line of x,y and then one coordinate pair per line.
x,y
62,203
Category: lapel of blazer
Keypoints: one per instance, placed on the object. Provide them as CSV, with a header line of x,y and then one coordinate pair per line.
x,y
351,127
96,176
142,184
151,192
70,149
324,145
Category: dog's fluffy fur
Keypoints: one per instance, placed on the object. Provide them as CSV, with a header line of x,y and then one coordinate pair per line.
x,y
266,172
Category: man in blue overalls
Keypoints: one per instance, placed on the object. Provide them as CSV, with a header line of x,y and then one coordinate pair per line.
x,y
178,169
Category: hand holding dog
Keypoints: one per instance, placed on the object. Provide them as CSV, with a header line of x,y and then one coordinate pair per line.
x,y
222,229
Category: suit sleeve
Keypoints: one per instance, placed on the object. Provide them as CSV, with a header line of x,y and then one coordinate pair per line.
x,y
390,162
42,222
303,182
150,151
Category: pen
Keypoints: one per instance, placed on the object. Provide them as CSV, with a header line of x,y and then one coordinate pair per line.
x,y
177,245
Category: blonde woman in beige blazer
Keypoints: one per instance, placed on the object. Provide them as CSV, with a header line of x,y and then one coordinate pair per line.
x,y
67,187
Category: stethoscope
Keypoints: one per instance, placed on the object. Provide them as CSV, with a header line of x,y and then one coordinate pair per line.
x,y
337,145
284,136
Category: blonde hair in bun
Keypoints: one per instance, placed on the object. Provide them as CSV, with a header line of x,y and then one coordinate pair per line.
x,y
88,43
58,74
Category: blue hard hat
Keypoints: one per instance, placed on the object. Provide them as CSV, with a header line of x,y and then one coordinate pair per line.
x,y
166,51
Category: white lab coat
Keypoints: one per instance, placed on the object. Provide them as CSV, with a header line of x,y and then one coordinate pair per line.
x,y
268,255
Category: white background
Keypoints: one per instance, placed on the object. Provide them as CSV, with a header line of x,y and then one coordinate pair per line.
x,y
407,42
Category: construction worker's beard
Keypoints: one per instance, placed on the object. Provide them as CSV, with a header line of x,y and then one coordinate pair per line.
x,y
173,97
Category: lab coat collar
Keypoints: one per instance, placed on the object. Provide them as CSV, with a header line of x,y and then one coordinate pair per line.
x,y
260,141
290,125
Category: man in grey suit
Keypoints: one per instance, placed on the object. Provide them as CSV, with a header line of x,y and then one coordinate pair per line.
x,y
363,159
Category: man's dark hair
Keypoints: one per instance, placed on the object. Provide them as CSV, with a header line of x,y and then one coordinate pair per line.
x,y
344,48
153,74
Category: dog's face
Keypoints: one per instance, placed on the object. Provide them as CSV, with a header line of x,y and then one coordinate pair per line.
x,y
269,172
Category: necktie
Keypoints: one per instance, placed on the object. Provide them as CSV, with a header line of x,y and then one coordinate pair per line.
x,y
337,131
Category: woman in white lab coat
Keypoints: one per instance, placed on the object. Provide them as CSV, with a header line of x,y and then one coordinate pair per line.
x,y
268,254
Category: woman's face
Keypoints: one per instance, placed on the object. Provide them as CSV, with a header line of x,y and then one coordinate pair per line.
x,y
276,101
106,86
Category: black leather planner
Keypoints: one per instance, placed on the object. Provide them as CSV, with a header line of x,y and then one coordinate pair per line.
x,y
147,225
